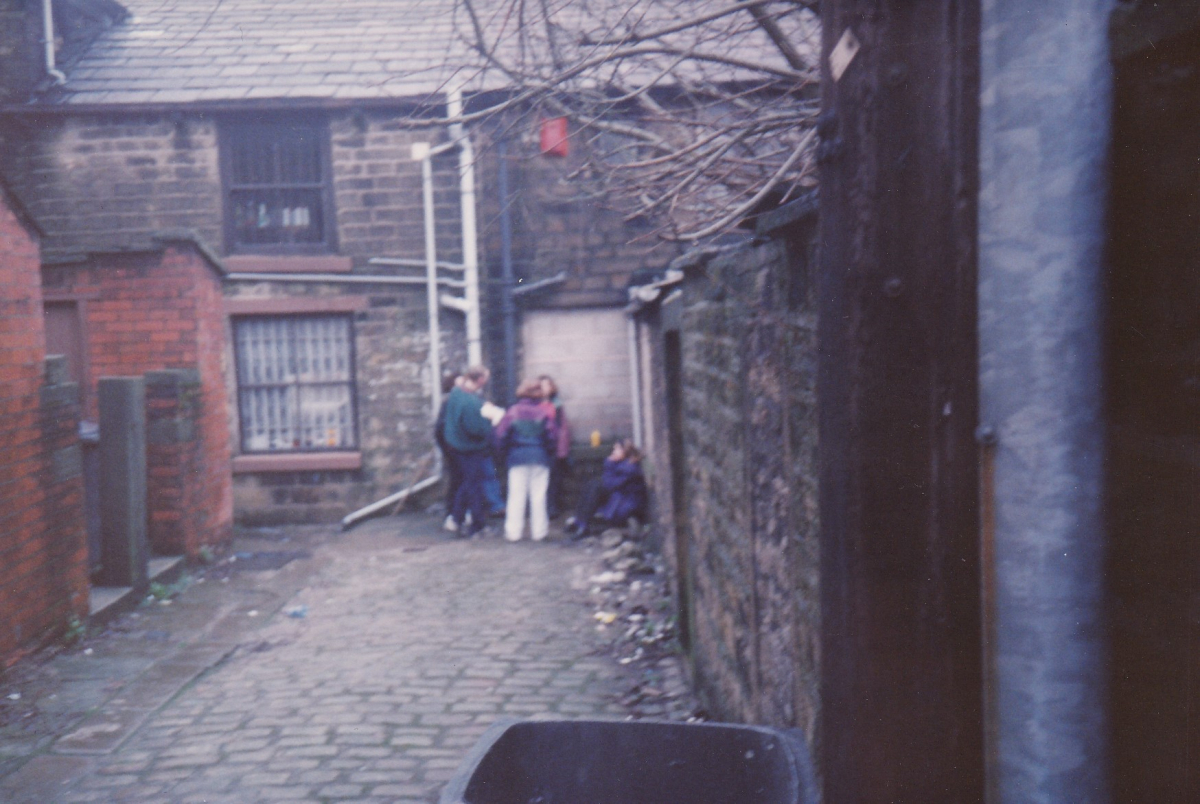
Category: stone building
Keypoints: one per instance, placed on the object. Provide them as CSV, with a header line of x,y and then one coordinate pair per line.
x,y
281,136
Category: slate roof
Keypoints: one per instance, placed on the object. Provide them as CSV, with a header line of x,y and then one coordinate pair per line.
x,y
189,51
229,51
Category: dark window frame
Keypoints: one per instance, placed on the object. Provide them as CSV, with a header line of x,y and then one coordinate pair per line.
x,y
237,132
352,383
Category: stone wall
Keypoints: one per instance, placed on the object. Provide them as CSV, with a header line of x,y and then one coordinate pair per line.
x,y
101,181
142,313
377,188
743,549
43,550
19,51
391,343
563,223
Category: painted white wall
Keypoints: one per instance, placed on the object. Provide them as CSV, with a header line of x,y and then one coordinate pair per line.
x,y
587,353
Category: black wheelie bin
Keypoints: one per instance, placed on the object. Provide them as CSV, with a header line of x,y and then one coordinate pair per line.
x,y
633,762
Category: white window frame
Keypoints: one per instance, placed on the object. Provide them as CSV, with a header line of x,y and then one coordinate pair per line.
x,y
295,383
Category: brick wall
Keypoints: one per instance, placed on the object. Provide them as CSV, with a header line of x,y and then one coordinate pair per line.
x,y
149,311
750,547
43,545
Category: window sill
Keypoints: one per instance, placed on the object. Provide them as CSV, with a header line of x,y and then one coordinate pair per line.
x,y
287,264
297,462
292,305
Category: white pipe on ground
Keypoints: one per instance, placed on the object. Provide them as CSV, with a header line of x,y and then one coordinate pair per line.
x,y
393,499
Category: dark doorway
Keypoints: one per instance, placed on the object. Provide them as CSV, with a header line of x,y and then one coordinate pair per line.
x,y
1153,365
64,336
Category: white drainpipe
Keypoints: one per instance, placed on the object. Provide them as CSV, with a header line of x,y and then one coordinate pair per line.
x,y
48,42
635,379
466,173
421,151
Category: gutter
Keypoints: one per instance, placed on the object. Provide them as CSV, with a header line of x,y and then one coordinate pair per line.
x,y
541,284
642,295
59,76
353,279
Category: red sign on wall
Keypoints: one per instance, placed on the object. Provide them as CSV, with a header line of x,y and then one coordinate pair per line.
x,y
554,136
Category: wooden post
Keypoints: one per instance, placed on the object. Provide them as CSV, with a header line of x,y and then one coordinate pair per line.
x,y
900,651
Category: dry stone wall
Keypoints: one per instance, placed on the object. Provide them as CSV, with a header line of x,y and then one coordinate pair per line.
x,y
743,551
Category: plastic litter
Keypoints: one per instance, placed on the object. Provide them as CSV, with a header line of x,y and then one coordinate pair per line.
x,y
297,612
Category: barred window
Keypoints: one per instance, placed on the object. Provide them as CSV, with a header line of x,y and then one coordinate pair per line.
x,y
276,180
295,383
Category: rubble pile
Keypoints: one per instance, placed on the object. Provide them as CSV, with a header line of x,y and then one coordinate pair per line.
x,y
636,620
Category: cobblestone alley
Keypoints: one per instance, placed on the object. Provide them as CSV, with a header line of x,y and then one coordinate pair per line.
x,y
361,670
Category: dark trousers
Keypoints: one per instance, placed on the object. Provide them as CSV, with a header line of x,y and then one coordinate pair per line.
x,y
453,478
593,496
558,471
473,471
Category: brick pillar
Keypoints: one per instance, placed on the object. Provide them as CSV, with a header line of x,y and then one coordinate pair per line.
x,y
63,591
174,458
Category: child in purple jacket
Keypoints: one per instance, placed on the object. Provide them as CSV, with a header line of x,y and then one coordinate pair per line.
x,y
619,494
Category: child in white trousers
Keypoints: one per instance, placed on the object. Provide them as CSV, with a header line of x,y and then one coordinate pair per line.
x,y
526,436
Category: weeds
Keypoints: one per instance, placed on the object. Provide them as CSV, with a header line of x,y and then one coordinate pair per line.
x,y
75,630
161,592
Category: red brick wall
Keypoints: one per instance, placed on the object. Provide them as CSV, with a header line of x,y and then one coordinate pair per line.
x,y
43,545
150,312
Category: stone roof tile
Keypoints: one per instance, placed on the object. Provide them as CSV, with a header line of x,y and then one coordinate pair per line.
x,y
224,50
201,50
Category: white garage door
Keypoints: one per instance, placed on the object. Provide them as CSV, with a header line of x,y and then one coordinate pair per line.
x,y
587,354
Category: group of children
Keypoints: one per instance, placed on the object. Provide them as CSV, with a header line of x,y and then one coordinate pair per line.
x,y
532,439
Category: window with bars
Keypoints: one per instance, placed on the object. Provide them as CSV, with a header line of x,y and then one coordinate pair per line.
x,y
276,180
295,383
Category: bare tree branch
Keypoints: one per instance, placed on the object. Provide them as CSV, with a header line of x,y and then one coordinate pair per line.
x,y
778,37
691,112
741,211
